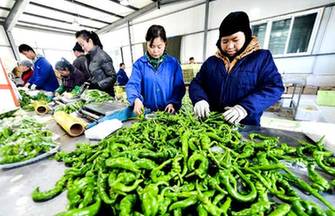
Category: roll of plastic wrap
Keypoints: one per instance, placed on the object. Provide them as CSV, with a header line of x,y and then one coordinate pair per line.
x,y
72,125
41,107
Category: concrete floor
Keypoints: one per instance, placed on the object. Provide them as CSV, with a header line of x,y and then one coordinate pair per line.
x,y
17,184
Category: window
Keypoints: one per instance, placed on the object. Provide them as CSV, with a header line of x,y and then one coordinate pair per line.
x,y
278,37
301,33
259,32
289,34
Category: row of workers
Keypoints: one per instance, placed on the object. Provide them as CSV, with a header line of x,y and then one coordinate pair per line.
x,y
240,80
92,65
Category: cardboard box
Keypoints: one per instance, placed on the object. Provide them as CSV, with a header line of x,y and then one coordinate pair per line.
x,y
310,90
289,90
327,88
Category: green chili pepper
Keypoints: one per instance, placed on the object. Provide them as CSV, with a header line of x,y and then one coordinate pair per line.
x,y
201,171
101,187
149,198
281,210
122,163
122,188
184,141
298,208
184,203
318,181
302,184
43,196
210,207
319,157
127,204
225,207
144,163
88,211
235,194
201,210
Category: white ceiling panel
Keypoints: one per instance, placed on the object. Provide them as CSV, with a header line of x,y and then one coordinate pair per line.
x,y
62,16
72,15
32,19
7,3
4,13
139,4
77,9
164,9
111,6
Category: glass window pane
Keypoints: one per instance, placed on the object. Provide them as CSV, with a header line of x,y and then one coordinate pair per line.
x,y
279,33
301,33
259,32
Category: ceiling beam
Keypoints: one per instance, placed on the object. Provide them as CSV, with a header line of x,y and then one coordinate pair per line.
x,y
128,6
4,8
56,20
94,8
15,13
146,9
67,12
47,26
54,31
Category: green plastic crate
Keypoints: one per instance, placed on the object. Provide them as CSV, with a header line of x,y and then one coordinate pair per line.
x,y
325,98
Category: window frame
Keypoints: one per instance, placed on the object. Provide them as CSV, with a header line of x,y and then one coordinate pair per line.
x,y
319,12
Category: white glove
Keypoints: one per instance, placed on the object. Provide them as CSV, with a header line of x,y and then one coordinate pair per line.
x,y
33,87
235,114
201,109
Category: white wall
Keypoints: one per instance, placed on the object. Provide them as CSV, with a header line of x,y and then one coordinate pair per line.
x,y
190,46
6,53
180,23
258,9
52,45
327,41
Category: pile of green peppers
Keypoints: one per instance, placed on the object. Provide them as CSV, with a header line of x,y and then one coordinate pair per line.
x,y
177,165
71,107
22,139
95,95
89,96
26,101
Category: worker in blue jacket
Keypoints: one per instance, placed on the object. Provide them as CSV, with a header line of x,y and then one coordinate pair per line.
x,y
121,75
156,81
44,77
241,80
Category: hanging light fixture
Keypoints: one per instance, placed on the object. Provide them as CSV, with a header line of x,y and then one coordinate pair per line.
x,y
75,22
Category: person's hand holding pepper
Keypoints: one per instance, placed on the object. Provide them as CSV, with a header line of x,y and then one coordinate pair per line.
x,y
138,106
235,114
169,108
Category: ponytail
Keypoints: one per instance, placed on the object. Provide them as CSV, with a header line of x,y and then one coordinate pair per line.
x,y
86,35
96,40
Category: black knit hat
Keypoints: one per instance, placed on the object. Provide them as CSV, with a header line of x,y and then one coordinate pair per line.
x,y
235,22
78,48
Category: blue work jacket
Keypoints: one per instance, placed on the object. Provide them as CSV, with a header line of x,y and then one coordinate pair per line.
x,y
253,83
156,88
44,76
122,77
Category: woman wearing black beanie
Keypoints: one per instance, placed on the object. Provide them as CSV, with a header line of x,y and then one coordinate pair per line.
x,y
240,80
